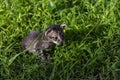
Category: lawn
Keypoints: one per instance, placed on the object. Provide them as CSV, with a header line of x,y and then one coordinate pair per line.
x,y
91,49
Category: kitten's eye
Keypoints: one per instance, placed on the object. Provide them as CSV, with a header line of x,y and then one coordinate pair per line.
x,y
55,38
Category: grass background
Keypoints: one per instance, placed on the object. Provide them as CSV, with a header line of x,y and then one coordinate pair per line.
x,y
91,49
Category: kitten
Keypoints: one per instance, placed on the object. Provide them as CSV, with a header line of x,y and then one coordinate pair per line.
x,y
40,42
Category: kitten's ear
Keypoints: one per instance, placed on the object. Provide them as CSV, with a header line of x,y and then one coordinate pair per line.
x,y
47,31
63,26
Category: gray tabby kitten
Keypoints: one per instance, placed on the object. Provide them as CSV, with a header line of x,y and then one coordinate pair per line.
x,y
40,42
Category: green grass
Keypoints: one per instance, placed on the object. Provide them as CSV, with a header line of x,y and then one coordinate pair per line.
x,y
91,49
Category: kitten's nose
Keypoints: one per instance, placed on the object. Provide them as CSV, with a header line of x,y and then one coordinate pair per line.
x,y
60,42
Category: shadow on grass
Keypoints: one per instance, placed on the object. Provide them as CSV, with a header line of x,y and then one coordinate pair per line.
x,y
73,36
86,34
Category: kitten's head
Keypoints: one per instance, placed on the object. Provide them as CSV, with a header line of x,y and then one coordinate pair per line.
x,y
55,34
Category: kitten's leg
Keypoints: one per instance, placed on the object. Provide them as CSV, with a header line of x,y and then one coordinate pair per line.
x,y
42,56
40,53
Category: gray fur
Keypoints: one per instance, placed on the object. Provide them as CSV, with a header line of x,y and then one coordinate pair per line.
x,y
38,42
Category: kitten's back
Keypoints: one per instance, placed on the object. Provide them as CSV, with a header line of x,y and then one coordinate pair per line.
x,y
26,42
